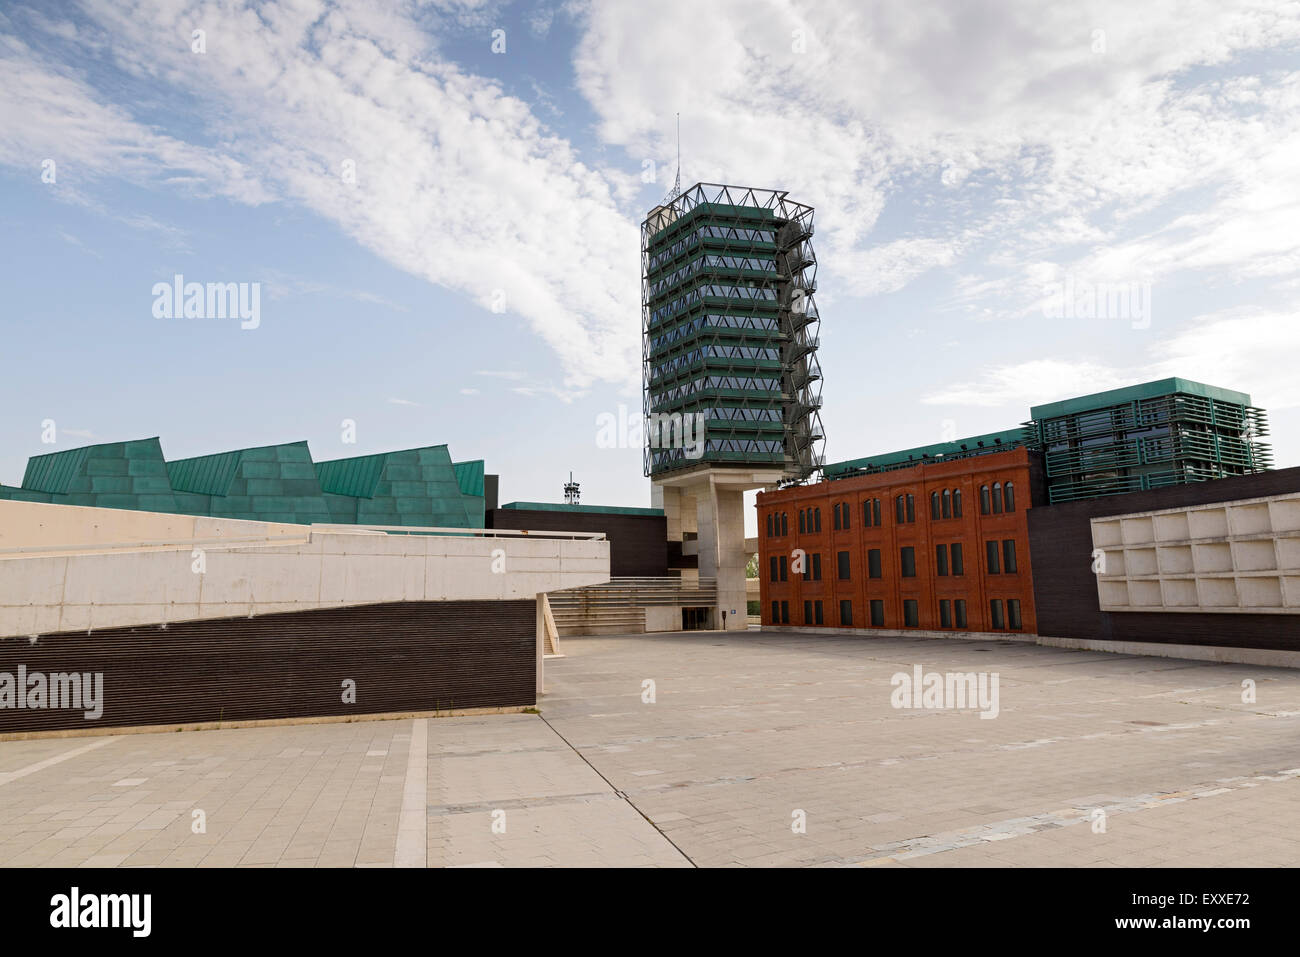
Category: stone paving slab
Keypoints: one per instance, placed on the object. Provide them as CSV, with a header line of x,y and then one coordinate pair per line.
x,y
1093,760
746,730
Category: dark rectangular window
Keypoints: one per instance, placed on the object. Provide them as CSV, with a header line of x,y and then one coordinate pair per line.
x,y
941,559
875,511
835,515
866,514
958,565
803,513
769,526
959,612
817,613
783,569
907,561
934,506
984,500
817,519
807,612
846,612
785,613
844,513
945,613
817,566
991,556
900,516
1009,555
1013,614
773,562
911,508
910,617
877,613
785,525
1009,496
873,563
995,612
776,613
842,565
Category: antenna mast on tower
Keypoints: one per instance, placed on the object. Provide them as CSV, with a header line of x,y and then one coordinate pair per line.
x,y
677,183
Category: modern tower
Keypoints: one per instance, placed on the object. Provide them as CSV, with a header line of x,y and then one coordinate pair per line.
x,y
732,387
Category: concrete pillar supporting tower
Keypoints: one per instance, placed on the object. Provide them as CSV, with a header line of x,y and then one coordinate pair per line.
x,y
718,495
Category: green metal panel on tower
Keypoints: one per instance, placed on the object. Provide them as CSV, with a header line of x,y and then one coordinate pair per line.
x,y
729,346
1168,432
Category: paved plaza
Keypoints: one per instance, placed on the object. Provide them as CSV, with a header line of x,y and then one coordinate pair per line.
x,y
711,749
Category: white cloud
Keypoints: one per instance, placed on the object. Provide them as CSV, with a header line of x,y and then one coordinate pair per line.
x,y
1238,347
986,138
1244,344
1029,383
996,127
48,112
454,180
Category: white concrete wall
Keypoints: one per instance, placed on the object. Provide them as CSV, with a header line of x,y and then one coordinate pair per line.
x,y
38,525
1239,557
663,618
320,567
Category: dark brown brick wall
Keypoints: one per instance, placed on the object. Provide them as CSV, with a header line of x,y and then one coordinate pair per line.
x,y
1065,589
638,544
405,656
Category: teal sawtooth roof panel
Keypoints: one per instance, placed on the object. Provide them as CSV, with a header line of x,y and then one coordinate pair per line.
x,y
593,509
55,471
419,486
356,476
359,475
9,493
469,475
205,474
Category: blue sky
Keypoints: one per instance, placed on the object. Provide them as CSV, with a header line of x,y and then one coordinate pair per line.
x,y
478,282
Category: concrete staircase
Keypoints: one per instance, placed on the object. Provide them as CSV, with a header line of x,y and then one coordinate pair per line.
x,y
618,607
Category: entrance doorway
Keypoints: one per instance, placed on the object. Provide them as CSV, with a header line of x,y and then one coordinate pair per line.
x,y
695,619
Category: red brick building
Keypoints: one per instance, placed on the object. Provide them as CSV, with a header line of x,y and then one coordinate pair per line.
x,y
938,545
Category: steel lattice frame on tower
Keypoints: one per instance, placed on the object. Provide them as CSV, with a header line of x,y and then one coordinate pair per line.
x,y
730,332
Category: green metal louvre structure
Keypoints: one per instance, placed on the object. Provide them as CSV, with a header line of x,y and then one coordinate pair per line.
x,y
730,331
274,483
1167,432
